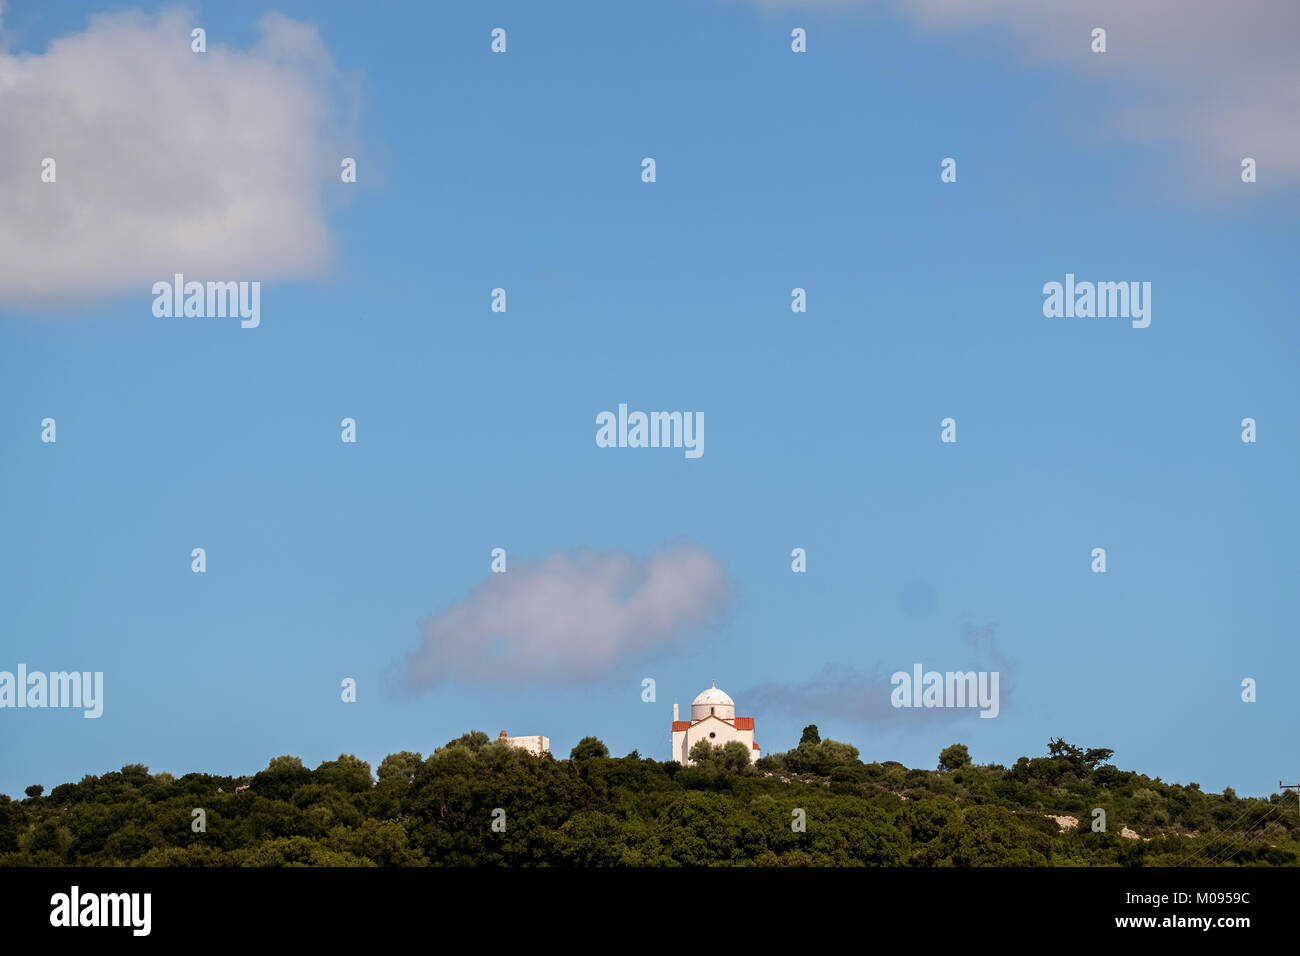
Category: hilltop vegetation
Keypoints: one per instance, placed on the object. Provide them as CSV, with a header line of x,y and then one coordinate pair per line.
x,y
597,810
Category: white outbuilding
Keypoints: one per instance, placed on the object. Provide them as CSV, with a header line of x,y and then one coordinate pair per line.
x,y
535,744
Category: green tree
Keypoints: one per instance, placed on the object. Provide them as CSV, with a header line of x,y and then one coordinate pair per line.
x,y
1097,756
588,747
475,740
285,764
821,758
835,754
282,776
703,754
347,773
35,790
954,757
927,818
733,756
1076,759
399,766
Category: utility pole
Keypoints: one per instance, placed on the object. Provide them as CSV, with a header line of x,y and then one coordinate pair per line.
x,y
1290,786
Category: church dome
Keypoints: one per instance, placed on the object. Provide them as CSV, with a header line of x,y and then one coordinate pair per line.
x,y
713,702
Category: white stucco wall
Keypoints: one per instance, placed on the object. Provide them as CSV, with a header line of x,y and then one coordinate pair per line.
x,y
536,744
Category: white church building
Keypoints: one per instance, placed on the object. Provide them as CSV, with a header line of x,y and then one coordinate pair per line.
x,y
713,718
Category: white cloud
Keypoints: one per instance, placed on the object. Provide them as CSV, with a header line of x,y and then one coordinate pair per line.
x,y
1219,78
570,617
168,161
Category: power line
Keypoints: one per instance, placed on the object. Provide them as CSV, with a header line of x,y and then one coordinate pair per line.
x,y
1227,841
1291,786
1200,859
1219,859
1200,854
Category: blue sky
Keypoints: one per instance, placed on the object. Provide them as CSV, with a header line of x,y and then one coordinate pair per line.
x,y
476,429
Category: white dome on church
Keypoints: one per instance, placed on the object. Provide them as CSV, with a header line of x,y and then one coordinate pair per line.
x,y
713,696
713,702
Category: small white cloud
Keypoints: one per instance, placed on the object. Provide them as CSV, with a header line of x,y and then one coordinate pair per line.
x,y
168,161
570,617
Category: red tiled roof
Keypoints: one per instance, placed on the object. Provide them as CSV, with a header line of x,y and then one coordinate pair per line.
x,y
740,723
755,746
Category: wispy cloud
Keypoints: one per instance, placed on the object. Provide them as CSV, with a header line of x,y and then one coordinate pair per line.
x,y
569,617
1218,78
167,161
845,693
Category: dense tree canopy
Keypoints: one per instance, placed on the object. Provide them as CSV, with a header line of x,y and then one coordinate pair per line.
x,y
597,810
